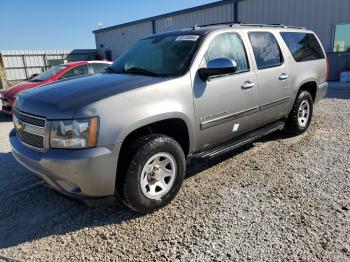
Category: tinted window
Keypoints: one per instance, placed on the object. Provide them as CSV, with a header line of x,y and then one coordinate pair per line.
x,y
303,46
342,38
228,46
266,49
77,71
99,67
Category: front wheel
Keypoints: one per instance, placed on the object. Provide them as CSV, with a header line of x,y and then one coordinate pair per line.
x,y
300,117
155,173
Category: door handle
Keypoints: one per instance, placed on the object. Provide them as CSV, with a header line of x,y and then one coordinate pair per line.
x,y
247,85
283,76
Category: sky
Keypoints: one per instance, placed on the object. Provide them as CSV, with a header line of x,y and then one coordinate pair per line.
x,y
68,24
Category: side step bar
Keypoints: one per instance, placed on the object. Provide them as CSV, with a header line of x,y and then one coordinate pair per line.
x,y
240,141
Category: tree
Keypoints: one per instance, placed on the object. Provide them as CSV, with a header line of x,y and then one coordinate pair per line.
x,y
3,82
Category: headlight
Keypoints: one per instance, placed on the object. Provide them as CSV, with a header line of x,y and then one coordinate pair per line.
x,y
78,133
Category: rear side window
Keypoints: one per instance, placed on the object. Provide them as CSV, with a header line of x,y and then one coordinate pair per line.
x,y
230,46
99,67
303,46
77,71
266,49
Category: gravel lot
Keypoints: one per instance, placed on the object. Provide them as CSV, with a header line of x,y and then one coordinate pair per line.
x,y
283,198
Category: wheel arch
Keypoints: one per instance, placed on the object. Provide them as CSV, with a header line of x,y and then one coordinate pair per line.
x,y
172,125
309,85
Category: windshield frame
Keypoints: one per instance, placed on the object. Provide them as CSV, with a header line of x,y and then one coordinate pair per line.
x,y
186,68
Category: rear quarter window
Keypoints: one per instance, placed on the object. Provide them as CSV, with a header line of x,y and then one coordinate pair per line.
x,y
77,71
99,67
303,46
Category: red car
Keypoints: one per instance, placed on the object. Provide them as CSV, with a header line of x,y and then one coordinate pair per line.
x,y
61,72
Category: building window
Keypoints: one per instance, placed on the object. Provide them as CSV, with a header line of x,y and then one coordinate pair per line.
x,y
341,38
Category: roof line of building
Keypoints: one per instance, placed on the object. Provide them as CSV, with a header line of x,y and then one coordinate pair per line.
x,y
183,11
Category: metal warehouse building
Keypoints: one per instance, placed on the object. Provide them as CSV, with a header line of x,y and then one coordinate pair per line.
x,y
330,19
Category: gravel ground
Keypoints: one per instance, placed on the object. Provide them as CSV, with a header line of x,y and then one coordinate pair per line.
x,y
283,198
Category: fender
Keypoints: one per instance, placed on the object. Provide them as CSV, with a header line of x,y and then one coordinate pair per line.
x,y
156,118
298,85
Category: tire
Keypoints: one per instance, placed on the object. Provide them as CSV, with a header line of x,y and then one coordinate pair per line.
x,y
301,115
155,173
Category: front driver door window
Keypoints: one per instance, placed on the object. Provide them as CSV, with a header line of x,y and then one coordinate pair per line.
x,y
229,46
224,109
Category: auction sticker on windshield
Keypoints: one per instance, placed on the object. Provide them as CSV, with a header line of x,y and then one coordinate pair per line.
x,y
187,38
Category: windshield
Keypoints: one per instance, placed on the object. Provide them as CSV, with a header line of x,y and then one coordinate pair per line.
x,y
48,74
158,56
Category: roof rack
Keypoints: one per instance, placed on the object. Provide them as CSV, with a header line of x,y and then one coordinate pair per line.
x,y
230,24
273,25
217,24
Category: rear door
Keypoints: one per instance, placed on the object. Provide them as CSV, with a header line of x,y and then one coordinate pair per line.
x,y
225,105
274,89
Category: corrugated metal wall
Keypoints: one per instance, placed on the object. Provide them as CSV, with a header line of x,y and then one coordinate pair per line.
x,y
211,15
118,40
317,15
338,62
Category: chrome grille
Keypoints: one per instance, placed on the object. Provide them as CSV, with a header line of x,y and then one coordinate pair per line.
x,y
32,120
30,129
33,140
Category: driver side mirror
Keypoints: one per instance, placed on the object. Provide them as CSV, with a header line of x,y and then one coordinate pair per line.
x,y
217,67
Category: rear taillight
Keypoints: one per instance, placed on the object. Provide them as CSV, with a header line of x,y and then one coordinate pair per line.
x,y
327,72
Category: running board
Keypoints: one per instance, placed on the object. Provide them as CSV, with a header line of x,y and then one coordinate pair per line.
x,y
240,141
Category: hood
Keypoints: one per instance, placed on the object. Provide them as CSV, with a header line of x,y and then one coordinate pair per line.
x,y
61,100
20,87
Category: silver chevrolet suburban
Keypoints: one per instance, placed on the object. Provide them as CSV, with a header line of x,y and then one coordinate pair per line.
x,y
187,94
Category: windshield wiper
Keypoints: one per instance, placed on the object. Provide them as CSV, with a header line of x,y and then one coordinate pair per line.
x,y
141,71
132,70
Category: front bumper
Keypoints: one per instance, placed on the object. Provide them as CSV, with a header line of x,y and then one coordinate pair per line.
x,y
82,174
321,91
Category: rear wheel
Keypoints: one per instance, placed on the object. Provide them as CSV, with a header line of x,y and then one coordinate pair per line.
x,y
155,173
300,117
